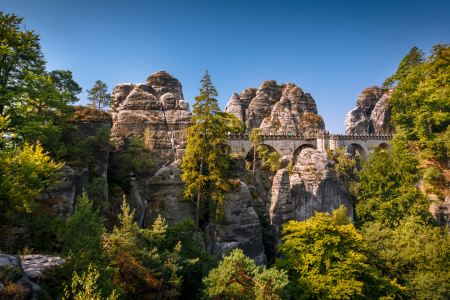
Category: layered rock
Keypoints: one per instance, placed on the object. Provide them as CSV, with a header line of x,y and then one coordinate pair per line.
x,y
277,109
381,116
281,206
372,114
156,107
356,122
240,230
315,186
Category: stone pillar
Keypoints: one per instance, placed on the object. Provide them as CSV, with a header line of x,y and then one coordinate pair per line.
x,y
323,142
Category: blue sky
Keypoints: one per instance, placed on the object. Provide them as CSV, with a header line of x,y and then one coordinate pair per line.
x,y
331,49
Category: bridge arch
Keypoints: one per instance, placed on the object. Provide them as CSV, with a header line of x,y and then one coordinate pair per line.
x,y
249,156
384,146
360,150
300,148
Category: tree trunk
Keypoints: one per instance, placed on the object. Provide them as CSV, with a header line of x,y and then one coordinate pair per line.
x,y
199,193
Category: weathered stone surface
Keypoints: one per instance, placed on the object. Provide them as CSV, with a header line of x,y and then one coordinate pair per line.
x,y
165,190
35,265
381,116
240,230
10,268
277,109
282,206
368,98
315,186
235,107
161,110
356,122
170,83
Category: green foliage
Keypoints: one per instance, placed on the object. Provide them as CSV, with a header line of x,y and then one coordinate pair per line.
x,y
44,232
206,146
237,277
98,96
414,58
150,262
270,160
416,254
23,174
64,82
387,191
421,101
82,240
431,175
324,259
85,287
20,54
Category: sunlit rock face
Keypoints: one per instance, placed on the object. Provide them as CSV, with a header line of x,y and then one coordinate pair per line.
x,y
156,106
372,114
311,186
277,109
157,112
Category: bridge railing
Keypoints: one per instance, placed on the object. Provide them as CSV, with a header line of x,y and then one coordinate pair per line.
x,y
313,136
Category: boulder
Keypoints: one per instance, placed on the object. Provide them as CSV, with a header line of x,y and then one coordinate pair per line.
x,y
241,228
246,97
356,122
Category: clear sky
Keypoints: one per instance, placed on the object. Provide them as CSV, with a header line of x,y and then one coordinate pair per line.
x,y
331,49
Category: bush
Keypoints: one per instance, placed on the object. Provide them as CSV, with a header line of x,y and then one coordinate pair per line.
x,y
431,175
14,291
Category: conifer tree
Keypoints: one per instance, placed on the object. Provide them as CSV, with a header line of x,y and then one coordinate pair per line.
x,y
98,95
206,147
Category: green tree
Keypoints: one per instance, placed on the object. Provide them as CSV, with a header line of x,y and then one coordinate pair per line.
x,y
85,287
23,173
206,147
420,104
414,253
387,191
270,159
324,259
414,58
20,54
63,81
237,277
98,96
256,140
82,240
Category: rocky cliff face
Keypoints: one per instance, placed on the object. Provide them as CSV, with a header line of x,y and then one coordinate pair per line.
x,y
312,186
240,230
277,109
372,114
157,107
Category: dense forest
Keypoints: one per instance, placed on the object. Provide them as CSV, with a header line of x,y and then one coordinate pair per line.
x,y
394,247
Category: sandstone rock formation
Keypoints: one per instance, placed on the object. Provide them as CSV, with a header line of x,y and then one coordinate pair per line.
x,y
312,186
281,206
372,114
156,106
277,109
240,230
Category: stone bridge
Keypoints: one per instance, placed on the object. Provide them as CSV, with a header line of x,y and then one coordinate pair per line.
x,y
292,145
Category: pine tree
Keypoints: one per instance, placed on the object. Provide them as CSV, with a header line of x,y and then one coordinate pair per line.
x,y
206,147
98,95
